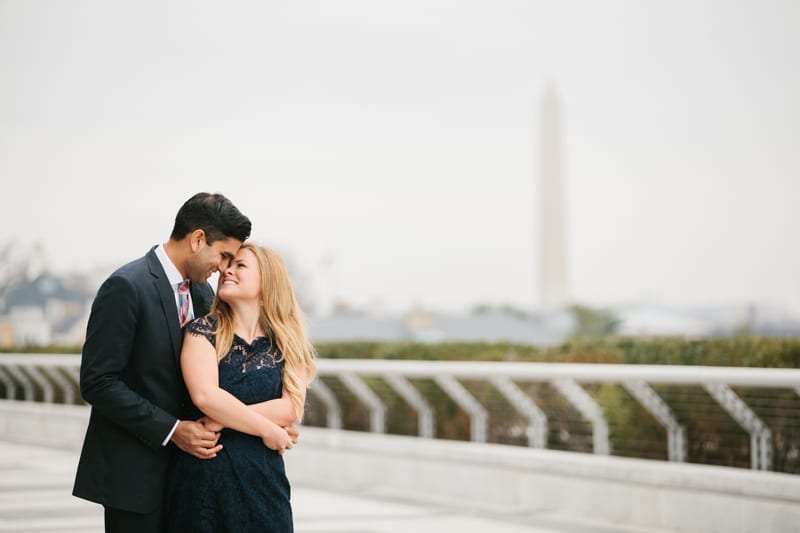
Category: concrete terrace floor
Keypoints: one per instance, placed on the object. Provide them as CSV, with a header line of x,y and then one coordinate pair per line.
x,y
36,485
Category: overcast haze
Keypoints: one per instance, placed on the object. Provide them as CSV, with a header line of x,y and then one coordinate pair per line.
x,y
397,143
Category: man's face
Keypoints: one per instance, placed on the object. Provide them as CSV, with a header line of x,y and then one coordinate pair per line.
x,y
210,258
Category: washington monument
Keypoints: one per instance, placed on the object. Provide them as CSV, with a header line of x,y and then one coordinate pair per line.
x,y
552,233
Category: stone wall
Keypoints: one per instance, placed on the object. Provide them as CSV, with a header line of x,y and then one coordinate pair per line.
x,y
526,482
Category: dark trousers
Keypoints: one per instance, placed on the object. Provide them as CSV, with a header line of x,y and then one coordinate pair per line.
x,y
118,521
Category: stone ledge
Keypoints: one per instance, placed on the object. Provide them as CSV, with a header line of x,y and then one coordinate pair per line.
x,y
55,425
526,482
653,495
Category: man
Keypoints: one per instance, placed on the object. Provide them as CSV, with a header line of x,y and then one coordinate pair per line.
x,y
130,372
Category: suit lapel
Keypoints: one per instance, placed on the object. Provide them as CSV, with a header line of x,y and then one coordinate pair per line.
x,y
168,306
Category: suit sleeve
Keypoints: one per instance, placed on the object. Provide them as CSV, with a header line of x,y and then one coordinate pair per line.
x,y
106,352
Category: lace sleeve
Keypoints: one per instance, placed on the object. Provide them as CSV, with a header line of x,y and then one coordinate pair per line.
x,y
204,327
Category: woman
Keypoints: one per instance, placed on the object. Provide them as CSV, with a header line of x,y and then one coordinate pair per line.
x,y
246,365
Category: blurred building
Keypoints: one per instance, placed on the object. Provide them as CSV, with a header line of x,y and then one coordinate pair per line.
x,y
661,320
549,328
43,310
422,325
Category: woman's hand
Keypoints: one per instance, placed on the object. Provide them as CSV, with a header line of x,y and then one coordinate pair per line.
x,y
276,438
293,432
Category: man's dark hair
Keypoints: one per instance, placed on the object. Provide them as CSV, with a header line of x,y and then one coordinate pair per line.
x,y
214,214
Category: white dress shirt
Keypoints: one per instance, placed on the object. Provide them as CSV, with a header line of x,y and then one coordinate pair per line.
x,y
175,279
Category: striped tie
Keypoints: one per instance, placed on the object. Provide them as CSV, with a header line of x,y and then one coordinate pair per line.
x,y
184,313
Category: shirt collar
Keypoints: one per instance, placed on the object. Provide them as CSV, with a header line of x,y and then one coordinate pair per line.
x,y
173,275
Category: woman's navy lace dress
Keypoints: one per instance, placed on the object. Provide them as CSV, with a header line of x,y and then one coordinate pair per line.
x,y
244,488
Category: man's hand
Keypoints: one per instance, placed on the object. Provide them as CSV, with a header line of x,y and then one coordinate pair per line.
x,y
211,424
193,438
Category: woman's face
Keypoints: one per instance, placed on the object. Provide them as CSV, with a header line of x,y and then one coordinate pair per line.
x,y
241,280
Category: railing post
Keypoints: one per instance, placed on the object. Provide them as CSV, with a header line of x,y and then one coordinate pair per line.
x,y
477,413
760,435
377,410
61,381
411,395
650,400
27,384
590,410
537,433
8,382
332,410
47,388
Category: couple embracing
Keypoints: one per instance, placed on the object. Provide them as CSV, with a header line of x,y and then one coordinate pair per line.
x,y
194,395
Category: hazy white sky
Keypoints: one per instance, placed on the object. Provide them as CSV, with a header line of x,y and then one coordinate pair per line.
x,y
400,139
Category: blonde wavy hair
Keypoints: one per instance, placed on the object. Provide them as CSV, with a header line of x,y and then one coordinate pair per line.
x,y
282,319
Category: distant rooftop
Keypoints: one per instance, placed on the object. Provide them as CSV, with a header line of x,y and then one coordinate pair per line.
x,y
430,327
39,291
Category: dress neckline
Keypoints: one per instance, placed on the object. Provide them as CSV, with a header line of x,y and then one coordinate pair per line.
x,y
255,339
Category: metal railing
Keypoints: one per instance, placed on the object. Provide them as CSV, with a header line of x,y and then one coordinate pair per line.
x,y
569,380
529,402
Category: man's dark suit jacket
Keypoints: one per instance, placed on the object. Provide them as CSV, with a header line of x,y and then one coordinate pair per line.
x,y
130,374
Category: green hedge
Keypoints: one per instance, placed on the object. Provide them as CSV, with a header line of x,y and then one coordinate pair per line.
x,y
35,348
734,351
